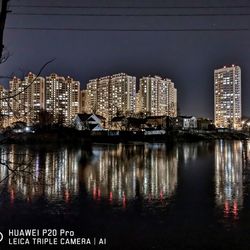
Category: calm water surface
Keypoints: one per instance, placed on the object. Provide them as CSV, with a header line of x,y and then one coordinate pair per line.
x,y
138,195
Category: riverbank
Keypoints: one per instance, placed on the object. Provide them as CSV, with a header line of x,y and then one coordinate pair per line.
x,y
72,136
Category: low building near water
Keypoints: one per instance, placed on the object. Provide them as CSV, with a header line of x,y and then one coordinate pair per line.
x,y
89,122
205,124
186,122
142,123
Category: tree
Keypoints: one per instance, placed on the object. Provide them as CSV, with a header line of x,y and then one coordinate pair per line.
x,y
24,165
45,118
3,15
59,119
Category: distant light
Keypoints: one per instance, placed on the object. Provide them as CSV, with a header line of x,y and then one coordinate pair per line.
x,y
27,129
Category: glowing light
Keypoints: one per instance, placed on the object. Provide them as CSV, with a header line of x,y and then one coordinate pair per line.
x,y
67,195
110,196
161,195
94,193
226,209
235,210
124,200
99,194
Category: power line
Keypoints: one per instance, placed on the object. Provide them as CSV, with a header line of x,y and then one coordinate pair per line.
x,y
130,15
130,30
129,7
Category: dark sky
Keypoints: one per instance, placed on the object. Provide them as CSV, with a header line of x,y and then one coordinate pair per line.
x,y
192,39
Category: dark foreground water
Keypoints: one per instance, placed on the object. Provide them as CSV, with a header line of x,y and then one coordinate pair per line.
x,y
137,196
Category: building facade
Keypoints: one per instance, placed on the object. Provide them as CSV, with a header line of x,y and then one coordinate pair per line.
x,y
26,98
5,107
157,97
62,98
110,96
73,90
227,97
83,101
91,96
122,96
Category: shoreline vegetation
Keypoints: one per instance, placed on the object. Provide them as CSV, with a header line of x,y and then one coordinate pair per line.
x,y
72,136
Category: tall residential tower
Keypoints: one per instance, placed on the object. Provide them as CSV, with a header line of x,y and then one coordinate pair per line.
x,y
157,96
110,96
227,97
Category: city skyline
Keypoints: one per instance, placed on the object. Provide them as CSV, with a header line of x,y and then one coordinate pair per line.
x,y
25,99
185,42
116,95
107,96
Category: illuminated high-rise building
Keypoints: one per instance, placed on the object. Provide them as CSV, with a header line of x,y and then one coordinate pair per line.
x,y
227,97
35,89
137,103
5,107
122,94
62,98
110,96
16,104
73,90
172,99
83,101
55,94
103,100
91,96
157,96
28,97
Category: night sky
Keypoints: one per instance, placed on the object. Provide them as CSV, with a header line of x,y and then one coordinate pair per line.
x,y
184,42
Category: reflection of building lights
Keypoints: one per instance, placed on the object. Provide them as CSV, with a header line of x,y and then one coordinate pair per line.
x,y
47,175
228,175
235,209
124,200
99,194
116,174
226,209
94,193
110,196
153,174
161,196
66,194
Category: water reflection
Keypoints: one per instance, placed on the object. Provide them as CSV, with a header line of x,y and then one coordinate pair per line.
x,y
228,177
30,174
118,173
125,172
121,173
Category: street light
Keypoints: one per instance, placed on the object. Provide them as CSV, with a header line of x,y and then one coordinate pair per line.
x,y
248,126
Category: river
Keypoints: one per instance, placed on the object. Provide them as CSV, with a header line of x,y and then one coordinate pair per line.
x,y
137,195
